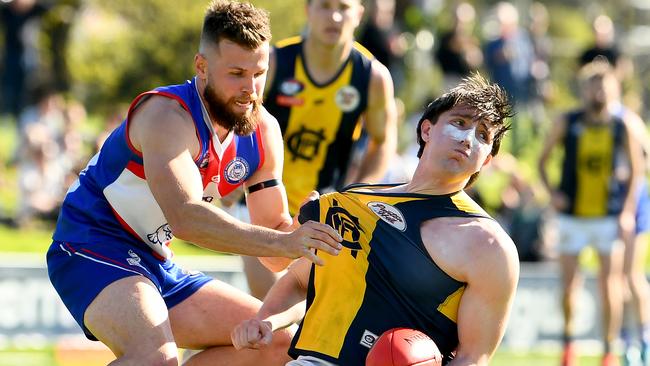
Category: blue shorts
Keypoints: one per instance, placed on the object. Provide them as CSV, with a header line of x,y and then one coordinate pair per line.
x,y
79,272
643,209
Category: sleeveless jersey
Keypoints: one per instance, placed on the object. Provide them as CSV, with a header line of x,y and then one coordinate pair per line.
x,y
319,122
111,199
592,155
382,278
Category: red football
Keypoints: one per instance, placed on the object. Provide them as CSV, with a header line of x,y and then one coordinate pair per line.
x,y
404,347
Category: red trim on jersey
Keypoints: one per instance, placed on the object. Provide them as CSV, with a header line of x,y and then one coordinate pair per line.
x,y
136,169
132,232
70,248
125,225
117,263
260,144
163,94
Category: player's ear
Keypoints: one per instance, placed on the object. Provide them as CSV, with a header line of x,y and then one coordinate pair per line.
x,y
201,66
360,12
425,130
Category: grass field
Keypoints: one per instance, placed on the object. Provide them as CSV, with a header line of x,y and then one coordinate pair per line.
x,y
50,357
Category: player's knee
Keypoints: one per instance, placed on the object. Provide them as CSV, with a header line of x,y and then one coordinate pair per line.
x,y
277,350
167,355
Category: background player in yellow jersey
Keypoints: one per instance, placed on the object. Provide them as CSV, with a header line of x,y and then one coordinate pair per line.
x,y
594,203
420,255
323,88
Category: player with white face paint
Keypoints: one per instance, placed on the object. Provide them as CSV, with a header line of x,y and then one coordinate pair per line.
x,y
417,255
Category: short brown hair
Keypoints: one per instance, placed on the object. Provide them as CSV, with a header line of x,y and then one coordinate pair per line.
x,y
490,100
241,23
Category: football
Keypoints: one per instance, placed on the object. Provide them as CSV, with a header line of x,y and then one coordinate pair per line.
x,y
404,347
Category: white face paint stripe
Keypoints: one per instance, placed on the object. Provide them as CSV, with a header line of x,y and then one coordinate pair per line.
x,y
469,135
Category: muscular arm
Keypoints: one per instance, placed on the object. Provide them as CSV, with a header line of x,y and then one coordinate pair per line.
x,y
639,131
284,305
380,122
165,135
268,207
555,136
634,151
485,305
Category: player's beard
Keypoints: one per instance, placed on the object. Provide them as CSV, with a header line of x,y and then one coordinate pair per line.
x,y
241,124
597,105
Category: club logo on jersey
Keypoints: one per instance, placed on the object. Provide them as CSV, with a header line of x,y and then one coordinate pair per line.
x,y
305,143
347,98
288,90
388,214
236,171
347,225
291,87
134,260
368,338
161,236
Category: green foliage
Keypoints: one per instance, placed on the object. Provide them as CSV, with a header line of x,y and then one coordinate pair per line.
x,y
121,48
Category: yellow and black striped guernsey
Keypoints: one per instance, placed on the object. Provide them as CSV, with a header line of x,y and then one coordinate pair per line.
x,y
382,278
592,154
319,122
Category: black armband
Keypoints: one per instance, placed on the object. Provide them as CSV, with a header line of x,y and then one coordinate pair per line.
x,y
261,185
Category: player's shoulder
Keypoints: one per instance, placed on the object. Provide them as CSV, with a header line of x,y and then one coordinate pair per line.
x,y
288,42
267,122
489,236
379,72
158,114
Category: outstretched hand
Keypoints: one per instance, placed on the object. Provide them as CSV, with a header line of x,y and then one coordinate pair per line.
x,y
312,235
252,333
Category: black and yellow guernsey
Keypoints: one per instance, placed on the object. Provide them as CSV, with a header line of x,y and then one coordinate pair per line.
x,y
593,153
382,278
319,122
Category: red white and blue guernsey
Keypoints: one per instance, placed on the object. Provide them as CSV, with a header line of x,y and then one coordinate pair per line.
x,y
111,198
110,226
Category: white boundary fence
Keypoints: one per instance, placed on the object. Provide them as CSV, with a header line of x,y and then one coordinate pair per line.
x,y
32,315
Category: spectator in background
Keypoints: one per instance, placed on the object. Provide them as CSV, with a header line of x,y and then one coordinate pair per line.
x,y
509,58
41,176
380,35
459,52
19,54
541,87
593,206
605,46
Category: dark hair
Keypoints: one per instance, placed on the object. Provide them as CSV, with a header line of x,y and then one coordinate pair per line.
x,y
599,68
490,101
241,23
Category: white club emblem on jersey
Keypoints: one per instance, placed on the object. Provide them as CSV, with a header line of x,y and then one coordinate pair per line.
x,y
368,338
161,236
291,87
237,170
347,98
389,214
134,260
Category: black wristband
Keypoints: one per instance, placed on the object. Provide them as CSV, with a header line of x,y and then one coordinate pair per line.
x,y
261,185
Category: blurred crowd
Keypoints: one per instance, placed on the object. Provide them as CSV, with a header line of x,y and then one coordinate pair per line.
x,y
508,41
